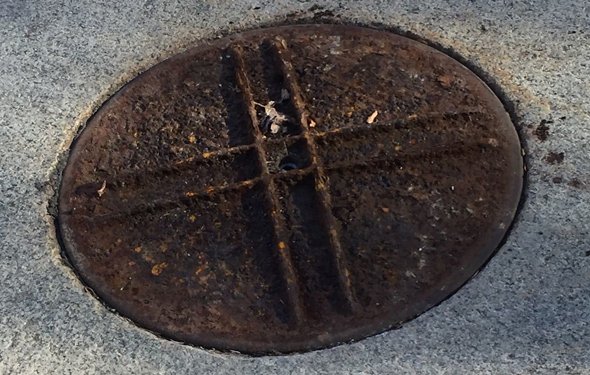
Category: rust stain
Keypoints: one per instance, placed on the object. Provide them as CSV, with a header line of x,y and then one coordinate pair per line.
x,y
288,224
157,269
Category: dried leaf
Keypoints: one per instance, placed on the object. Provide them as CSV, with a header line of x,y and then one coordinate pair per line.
x,y
158,268
102,189
371,119
445,80
273,119
274,128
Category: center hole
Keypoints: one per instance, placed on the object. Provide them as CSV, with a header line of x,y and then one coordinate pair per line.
x,y
289,163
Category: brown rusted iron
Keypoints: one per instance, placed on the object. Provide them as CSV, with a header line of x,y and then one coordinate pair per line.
x,y
290,188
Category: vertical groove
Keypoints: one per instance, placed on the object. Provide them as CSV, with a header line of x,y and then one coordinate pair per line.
x,y
281,238
280,48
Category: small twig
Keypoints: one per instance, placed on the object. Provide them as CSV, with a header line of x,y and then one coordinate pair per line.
x,y
372,118
102,189
273,119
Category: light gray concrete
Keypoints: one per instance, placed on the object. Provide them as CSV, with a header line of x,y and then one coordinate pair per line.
x,y
527,312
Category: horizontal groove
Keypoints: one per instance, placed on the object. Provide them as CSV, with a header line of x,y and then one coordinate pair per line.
x,y
447,150
195,195
217,153
176,168
294,174
186,164
175,202
396,123
289,138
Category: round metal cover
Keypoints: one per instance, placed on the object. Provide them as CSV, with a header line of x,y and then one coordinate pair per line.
x,y
290,188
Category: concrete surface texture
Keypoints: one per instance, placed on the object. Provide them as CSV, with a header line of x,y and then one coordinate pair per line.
x,y
527,312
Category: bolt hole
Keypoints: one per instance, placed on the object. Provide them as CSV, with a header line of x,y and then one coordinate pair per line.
x,y
289,163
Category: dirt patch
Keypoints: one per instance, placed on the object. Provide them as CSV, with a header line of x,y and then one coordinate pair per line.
x,y
542,130
575,183
555,158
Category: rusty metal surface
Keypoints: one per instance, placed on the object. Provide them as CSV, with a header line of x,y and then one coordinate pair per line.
x,y
290,188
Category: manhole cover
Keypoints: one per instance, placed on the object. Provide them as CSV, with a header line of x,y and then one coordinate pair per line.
x,y
290,188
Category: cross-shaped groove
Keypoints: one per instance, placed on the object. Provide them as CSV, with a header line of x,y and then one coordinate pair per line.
x,y
317,169
280,232
220,226
279,48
